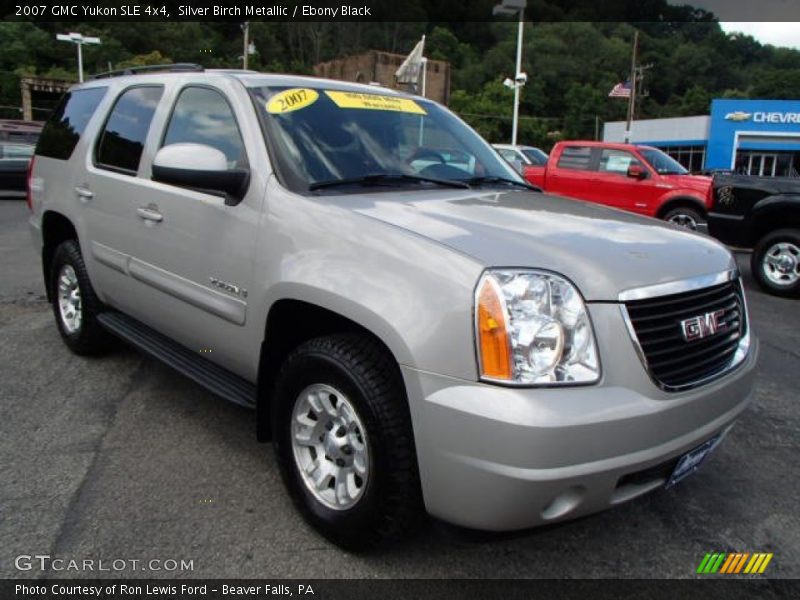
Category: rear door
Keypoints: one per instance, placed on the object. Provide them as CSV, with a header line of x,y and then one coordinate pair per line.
x,y
110,191
571,173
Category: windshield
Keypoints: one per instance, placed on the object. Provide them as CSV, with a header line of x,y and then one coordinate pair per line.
x,y
662,163
341,141
536,156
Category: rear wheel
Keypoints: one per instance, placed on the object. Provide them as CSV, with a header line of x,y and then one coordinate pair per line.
x,y
776,262
684,216
343,437
75,304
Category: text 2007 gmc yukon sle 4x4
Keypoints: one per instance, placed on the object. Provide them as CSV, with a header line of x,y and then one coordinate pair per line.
x,y
415,327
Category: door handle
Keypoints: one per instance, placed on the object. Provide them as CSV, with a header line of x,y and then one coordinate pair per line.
x,y
84,193
150,213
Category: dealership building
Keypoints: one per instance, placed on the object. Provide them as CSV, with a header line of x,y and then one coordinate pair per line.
x,y
756,137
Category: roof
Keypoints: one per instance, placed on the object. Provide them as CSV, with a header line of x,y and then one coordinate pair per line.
x,y
517,147
594,143
248,78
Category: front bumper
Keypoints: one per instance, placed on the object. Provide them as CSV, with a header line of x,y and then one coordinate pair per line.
x,y
499,458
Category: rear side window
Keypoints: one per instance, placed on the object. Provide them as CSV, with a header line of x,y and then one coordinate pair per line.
x,y
575,157
63,130
122,140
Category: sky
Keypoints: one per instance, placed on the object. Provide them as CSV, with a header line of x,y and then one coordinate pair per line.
x,y
777,34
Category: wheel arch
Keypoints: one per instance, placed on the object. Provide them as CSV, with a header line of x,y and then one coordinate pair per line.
x,y
774,213
292,321
681,201
56,228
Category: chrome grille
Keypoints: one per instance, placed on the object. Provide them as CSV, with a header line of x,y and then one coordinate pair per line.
x,y
675,362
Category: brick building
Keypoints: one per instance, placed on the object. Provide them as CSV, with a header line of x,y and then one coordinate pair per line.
x,y
375,66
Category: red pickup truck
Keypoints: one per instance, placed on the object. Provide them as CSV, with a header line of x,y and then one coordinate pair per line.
x,y
637,178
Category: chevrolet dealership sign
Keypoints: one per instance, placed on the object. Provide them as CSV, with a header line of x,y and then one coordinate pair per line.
x,y
764,117
776,117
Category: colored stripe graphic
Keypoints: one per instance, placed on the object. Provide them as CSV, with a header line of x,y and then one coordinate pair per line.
x,y
718,564
703,563
754,563
764,564
734,563
710,563
727,564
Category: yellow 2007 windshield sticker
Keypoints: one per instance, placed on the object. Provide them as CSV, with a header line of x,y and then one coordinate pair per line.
x,y
375,102
290,100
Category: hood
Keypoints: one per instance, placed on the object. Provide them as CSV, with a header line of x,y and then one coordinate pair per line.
x,y
700,183
602,250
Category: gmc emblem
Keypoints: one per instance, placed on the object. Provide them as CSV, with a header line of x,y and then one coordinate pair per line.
x,y
701,326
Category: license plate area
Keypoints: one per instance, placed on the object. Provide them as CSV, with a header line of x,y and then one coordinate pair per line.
x,y
691,461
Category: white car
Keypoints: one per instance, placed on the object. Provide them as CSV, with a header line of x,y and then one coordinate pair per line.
x,y
526,155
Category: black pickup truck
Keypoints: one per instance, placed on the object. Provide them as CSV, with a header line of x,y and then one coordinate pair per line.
x,y
762,213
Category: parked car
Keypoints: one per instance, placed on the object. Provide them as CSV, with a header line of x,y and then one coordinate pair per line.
x,y
439,337
14,161
762,213
522,157
635,178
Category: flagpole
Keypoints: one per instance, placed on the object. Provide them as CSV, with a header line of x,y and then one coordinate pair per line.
x,y
632,95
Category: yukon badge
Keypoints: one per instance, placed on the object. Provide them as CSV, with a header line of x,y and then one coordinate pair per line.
x,y
228,287
702,326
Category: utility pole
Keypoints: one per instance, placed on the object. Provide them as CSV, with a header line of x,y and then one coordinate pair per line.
x,y
632,96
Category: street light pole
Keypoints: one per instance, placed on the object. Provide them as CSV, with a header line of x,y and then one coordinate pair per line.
x,y
510,7
79,40
246,29
518,85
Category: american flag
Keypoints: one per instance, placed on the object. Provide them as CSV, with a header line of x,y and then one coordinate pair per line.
x,y
621,90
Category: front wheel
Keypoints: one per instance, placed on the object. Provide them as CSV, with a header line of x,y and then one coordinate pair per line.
x,y
776,262
342,432
75,304
685,217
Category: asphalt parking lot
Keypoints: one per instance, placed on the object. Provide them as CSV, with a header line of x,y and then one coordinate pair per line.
x,y
121,458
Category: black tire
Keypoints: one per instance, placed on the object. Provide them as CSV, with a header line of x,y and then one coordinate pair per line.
x,y
368,378
89,337
690,218
760,267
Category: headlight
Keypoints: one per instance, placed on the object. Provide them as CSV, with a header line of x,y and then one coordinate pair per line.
x,y
532,328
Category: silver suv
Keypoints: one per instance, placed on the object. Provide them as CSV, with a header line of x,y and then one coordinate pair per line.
x,y
414,326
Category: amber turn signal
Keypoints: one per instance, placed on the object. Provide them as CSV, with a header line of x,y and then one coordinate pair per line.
x,y
493,342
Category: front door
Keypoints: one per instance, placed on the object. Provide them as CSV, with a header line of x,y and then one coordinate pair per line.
x,y
615,188
195,260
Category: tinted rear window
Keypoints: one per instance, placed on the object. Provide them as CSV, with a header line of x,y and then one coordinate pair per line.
x,y
122,140
575,157
63,130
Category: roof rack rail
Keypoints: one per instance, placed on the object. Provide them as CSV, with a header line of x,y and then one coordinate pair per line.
x,y
170,68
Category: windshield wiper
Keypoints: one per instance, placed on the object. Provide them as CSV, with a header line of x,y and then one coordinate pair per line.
x,y
380,178
495,179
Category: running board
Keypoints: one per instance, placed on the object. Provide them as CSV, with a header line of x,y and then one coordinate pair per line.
x,y
214,378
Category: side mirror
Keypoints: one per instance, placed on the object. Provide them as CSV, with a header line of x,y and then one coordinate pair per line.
x,y
637,172
202,168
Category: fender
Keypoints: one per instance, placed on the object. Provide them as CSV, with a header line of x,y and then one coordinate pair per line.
x,y
682,195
